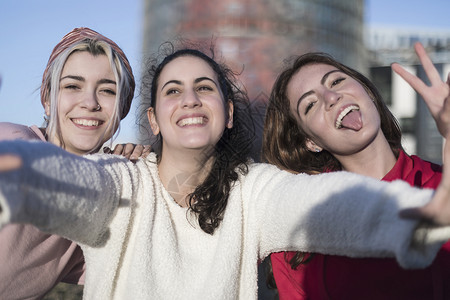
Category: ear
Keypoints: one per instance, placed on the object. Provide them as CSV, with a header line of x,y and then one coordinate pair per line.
x,y
229,124
152,120
47,109
312,146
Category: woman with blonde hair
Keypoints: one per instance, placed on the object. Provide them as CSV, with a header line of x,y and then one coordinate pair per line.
x,y
87,88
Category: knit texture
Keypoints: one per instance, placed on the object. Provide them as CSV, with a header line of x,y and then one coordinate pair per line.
x,y
139,244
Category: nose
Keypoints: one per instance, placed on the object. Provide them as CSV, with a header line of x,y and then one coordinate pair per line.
x,y
190,100
331,98
90,101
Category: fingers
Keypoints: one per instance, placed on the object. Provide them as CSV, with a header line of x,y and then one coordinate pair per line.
x,y
140,151
136,152
131,151
147,150
107,150
125,150
415,82
437,211
9,162
428,66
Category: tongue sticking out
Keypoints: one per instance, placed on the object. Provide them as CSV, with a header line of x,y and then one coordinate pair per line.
x,y
352,120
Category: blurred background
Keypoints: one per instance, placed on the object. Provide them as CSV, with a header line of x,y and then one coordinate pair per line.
x,y
253,36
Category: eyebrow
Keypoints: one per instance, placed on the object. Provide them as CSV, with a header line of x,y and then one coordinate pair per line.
x,y
80,78
197,80
205,78
322,82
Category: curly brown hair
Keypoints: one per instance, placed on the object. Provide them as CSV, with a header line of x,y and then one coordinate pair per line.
x,y
231,154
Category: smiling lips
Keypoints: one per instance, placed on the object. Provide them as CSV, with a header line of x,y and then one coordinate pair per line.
x,y
191,121
350,118
88,123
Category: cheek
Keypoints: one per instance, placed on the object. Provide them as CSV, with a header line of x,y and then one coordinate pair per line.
x,y
315,127
108,108
66,103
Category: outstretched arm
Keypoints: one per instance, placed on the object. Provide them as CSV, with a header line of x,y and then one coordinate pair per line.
x,y
437,211
58,192
436,96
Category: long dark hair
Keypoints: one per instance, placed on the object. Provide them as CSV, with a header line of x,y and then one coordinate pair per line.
x,y
231,153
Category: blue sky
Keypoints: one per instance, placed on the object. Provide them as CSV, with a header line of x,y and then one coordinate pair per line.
x,y
29,29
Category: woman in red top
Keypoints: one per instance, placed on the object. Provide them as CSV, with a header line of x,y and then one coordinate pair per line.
x,y
343,124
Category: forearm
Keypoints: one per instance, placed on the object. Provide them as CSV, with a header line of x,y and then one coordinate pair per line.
x,y
57,192
346,214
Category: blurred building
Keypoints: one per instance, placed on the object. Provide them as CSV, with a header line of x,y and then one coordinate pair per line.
x,y
388,45
255,36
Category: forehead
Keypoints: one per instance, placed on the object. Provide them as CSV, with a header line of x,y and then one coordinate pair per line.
x,y
185,68
83,61
308,76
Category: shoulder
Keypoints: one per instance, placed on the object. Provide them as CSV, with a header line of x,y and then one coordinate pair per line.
x,y
420,163
430,173
12,131
264,175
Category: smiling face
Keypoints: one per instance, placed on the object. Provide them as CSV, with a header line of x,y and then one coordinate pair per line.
x,y
190,111
333,109
87,83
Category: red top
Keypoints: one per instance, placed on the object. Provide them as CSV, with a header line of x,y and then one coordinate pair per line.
x,y
340,277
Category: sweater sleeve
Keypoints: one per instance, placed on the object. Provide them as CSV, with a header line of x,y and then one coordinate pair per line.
x,y
341,214
61,193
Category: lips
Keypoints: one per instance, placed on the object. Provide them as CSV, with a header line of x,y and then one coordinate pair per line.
x,y
349,117
87,122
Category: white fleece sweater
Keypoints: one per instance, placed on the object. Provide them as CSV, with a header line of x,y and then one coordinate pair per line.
x,y
139,244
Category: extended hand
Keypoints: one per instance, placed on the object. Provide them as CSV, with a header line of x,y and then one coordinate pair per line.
x,y
9,162
435,96
437,211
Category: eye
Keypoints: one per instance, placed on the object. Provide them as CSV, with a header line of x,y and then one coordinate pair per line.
x,y
337,81
108,91
309,106
172,91
205,88
71,87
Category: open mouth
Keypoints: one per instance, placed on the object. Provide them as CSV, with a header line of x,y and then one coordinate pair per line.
x,y
349,118
191,121
88,123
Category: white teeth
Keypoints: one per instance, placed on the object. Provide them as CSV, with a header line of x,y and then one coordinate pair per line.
x,y
190,121
86,122
343,114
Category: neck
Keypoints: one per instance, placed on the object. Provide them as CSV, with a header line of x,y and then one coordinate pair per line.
x,y
376,160
182,172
